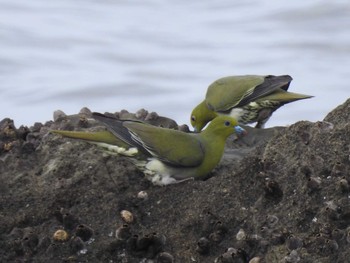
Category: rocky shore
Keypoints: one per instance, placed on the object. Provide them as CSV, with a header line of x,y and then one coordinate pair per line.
x,y
279,195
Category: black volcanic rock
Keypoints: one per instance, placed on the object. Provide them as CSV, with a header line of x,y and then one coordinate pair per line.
x,y
280,194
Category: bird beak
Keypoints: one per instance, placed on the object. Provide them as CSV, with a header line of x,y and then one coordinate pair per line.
x,y
195,129
240,131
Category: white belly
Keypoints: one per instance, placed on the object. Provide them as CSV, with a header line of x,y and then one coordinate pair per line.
x,y
235,113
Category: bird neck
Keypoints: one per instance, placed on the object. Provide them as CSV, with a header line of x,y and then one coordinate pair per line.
x,y
214,148
215,140
207,113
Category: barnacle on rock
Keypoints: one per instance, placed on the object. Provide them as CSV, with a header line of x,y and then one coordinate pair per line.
x,y
142,195
227,257
60,235
8,146
30,240
278,237
314,183
148,246
271,221
127,216
203,245
157,242
84,232
272,189
69,221
343,185
233,255
77,244
347,234
325,126
331,210
332,245
265,231
219,231
165,257
338,169
255,260
131,243
58,114
293,257
293,243
337,234
9,131
141,114
143,242
241,235
123,232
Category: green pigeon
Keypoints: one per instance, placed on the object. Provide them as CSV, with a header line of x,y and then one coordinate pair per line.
x,y
247,98
165,156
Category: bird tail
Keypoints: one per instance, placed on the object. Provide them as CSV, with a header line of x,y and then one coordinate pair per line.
x,y
100,136
286,96
103,139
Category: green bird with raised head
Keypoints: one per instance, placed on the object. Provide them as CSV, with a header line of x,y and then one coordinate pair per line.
x,y
247,98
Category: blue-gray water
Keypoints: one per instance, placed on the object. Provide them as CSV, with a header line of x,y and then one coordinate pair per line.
x,y
161,55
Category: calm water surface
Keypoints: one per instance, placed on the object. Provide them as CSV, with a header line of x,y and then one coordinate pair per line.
x,y
161,55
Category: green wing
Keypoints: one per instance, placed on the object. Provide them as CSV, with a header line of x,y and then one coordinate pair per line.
x,y
236,91
170,146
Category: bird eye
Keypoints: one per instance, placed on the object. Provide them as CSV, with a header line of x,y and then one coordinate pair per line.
x,y
193,118
227,123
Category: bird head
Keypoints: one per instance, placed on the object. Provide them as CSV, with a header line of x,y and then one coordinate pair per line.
x,y
201,115
225,126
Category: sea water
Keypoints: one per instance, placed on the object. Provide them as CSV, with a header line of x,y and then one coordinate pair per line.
x,y
162,55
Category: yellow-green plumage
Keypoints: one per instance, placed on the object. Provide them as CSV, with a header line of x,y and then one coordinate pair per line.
x,y
104,139
165,155
100,136
248,98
